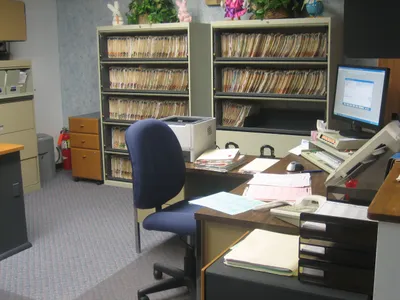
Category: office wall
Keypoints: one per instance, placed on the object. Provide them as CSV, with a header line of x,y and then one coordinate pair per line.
x,y
41,48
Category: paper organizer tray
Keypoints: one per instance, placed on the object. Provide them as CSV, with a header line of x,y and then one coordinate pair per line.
x,y
337,252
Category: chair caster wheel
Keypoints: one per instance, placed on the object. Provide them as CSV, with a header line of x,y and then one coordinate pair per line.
x,y
76,179
157,274
144,298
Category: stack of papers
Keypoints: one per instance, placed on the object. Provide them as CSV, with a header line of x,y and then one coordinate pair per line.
x,y
266,251
258,165
219,160
279,187
228,203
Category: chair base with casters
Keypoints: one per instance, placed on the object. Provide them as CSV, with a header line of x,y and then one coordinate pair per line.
x,y
179,278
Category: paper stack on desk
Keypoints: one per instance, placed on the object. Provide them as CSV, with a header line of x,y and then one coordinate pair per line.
x,y
266,251
258,165
219,160
279,187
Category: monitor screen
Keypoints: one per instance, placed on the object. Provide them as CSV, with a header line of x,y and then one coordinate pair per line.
x,y
360,94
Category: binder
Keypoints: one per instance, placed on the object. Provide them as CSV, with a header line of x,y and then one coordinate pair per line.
x,y
341,256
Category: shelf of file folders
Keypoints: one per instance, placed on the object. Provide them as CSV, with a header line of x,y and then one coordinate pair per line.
x,y
338,250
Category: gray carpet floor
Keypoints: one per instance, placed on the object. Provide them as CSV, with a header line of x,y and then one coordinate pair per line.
x,y
83,247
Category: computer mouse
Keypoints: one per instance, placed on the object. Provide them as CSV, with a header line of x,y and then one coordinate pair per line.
x,y
294,166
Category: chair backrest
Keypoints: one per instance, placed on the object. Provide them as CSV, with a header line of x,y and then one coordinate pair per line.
x,y
158,166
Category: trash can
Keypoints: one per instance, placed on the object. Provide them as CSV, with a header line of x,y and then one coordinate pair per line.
x,y
47,165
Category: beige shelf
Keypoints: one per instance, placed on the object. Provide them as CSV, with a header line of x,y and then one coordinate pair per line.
x,y
16,96
143,62
244,97
270,62
155,94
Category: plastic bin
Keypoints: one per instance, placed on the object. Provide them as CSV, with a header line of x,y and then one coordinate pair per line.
x,y
47,164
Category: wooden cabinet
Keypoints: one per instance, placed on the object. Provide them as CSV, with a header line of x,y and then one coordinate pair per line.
x,y
86,147
393,96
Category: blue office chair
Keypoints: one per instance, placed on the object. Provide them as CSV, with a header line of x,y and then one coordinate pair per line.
x,y
158,171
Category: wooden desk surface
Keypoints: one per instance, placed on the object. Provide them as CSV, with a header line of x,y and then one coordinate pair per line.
x,y
234,173
386,204
10,148
262,219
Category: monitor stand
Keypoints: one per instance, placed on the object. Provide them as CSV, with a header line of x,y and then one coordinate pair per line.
x,y
356,133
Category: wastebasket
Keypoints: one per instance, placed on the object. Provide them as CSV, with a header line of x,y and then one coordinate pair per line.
x,y
47,164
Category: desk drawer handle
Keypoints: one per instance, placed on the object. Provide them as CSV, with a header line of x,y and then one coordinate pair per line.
x,y
82,125
83,141
84,156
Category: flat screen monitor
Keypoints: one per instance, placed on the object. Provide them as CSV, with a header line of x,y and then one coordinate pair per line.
x,y
360,98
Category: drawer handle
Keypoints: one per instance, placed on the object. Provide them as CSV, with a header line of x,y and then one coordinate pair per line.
x,y
83,141
84,156
82,125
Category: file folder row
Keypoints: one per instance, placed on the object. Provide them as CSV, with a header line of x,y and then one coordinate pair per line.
x,y
300,82
274,45
174,46
121,167
132,110
149,79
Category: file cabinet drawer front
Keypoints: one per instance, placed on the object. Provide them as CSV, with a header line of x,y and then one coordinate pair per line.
x,y
84,125
29,169
16,116
27,138
86,164
86,141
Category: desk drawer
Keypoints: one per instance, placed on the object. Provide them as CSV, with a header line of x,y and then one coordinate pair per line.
x,y
27,138
84,125
16,116
86,164
86,141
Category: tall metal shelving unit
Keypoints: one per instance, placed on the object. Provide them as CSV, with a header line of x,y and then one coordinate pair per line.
x,y
196,63
284,119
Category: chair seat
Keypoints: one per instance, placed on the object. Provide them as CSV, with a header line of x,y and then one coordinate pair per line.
x,y
177,218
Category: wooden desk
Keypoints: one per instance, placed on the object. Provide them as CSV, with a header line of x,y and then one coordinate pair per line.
x,y
201,183
386,204
218,230
219,281
13,231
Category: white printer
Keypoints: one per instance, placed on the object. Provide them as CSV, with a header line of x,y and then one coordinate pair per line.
x,y
195,134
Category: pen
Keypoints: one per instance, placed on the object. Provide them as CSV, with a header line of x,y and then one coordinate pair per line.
x,y
312,171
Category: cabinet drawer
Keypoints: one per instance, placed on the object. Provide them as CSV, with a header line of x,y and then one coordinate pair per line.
x,y
27,138
86,164
84,125
30,174
86,141
16,116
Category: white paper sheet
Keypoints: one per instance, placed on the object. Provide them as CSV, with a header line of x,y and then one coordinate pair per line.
x,y
286,180
258,165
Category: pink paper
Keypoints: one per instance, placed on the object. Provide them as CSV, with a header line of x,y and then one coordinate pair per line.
x,y
277,193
